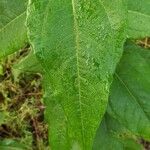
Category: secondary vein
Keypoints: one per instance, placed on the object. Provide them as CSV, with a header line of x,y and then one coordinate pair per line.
x,y
3,28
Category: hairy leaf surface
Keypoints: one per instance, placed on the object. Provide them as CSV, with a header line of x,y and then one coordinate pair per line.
x,y
130,92
138,18
13,33
78,44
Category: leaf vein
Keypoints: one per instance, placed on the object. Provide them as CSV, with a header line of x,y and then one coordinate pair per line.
x,y
78,70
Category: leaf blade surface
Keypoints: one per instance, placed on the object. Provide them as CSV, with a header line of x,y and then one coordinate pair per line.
x,y
129,99
13,33
113,135
138,19
78,44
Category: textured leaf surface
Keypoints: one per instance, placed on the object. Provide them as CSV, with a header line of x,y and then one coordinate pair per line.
x,y
138,18
113,136
130,93
12,26
78,44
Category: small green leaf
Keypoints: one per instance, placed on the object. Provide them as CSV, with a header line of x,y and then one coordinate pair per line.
x,y
28,64
9,144
138,18
1,69
130,92
13,33
2,117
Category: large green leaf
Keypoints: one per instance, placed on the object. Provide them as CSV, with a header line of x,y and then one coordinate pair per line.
x,y
111,135
138,18
130,92
12,26
78,44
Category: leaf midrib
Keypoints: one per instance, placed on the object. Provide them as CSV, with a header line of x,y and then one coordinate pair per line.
x,y
78,69
77,58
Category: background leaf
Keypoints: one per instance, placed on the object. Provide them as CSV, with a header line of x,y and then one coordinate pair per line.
x,y
13,33
138,18
113,135
23,65
78,44
130,92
